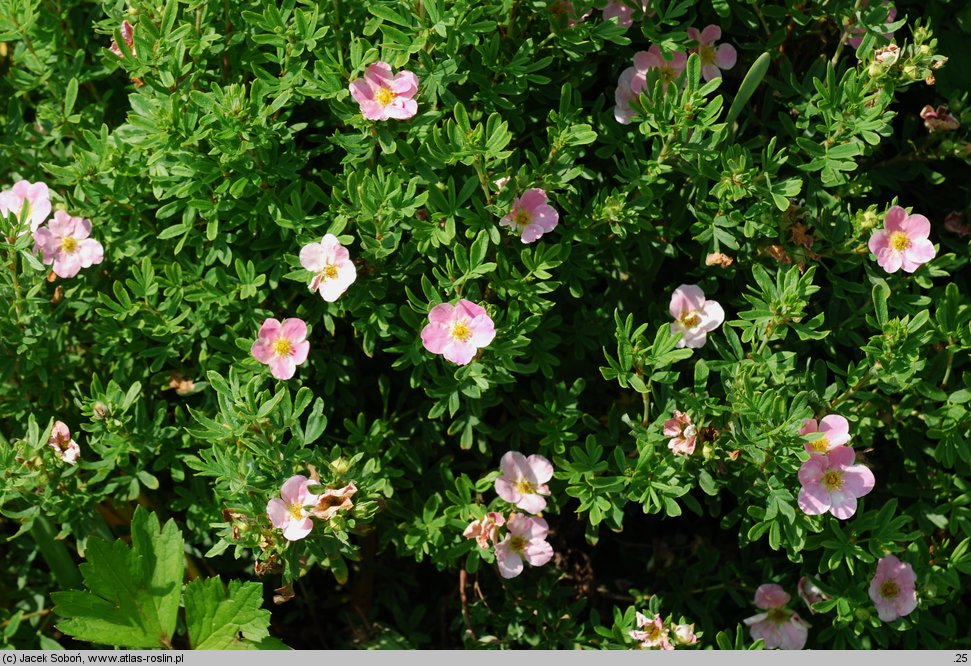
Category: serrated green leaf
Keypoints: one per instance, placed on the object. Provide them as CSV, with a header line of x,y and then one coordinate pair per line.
x,y
225,619
132,597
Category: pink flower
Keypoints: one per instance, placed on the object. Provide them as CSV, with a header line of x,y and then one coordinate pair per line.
x,y
629,87
332,267
713,59
893,589
682,432
382,95
903,242
622,11
523,480
778,626
684,634
651,633
694,317
35,195
668,70
834,430
64,242
485,529
525,540
458,331
859,32
833,483
128,34
290,513
938,120
810,593
282,346
531,216
331,501
65,447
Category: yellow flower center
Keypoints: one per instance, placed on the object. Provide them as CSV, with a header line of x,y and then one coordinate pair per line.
x,y
461,332
889,589
329,272
384,96
690,320
282,347
524,487
296,510
69,244
518,544
522,218
833,480
707,54
821,445
777,615
899,241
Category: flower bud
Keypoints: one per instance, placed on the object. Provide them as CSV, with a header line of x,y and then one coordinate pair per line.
x,y
99,411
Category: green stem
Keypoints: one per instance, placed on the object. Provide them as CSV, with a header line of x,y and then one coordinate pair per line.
x,y
864,380
947,371
845,34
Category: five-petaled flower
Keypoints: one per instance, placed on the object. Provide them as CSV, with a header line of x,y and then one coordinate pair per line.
x,y
65,447
830,432
531,216
457,331
778,626
292,513
651,632
938,120
128,34
694,316
893,589
523,480
903,241
383,95
282,345
833,483
64,243
485,529
331,265
682,432
713,59
525,540
37,198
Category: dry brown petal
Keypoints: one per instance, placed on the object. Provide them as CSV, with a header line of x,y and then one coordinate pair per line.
x,y
284,594
778,253
718,259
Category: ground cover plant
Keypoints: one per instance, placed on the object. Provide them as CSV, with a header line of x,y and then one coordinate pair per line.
x,y
485,324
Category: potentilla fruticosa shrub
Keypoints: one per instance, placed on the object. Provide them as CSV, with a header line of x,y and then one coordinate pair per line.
x,y
505,323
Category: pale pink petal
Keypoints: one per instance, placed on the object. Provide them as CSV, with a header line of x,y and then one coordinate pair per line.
x,y
82,228
299,353
459,353
483,331
541,470
469,309
441,314
726,56
90,252
814,500
378,75
294,489
262,350
645,60
879,242
402,109
434,338
545,217
916,226
808,426
836,429
694,34
841,456
278,512
693,338
712,315
893,220
372,110
62,225
890,260
711,33
858,480
506,489
843,505
293,329
510,564
812,470
405,83
282,367
313,257
270,329
770,595
686,298
66,265
298,529
532,198
532,503
538,553
710,72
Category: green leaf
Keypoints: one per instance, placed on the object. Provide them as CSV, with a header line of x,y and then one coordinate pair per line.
x,y
221,619
745,91
881,292
70,95
133,593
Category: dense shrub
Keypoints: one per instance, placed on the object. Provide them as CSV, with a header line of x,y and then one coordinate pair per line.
x,y
664,299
